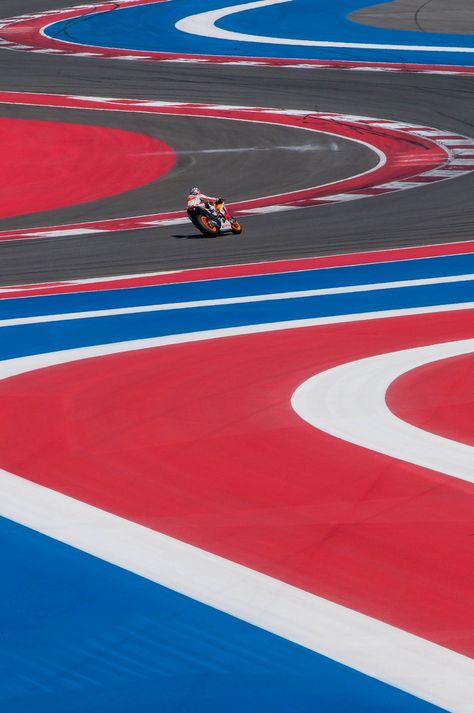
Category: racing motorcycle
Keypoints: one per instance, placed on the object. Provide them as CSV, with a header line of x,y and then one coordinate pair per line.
x,y
214,219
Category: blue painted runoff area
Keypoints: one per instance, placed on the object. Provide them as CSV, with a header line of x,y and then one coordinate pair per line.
x,y
152,28
29,339
296,281
79,634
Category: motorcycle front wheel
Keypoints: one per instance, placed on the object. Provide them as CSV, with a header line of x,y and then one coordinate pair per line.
x,y
236,227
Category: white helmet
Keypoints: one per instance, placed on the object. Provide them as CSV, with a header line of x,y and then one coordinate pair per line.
x,y
195,191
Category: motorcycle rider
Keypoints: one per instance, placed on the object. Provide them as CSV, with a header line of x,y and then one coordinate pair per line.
x,y
209,214
196,198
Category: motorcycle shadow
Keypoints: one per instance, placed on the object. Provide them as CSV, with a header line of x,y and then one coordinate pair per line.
x,y
196,236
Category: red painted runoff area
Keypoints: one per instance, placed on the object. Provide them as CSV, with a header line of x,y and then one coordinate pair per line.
x,y
50,165
438,397
199,441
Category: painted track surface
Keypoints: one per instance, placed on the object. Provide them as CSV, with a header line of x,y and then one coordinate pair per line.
x,y
241,497
361,525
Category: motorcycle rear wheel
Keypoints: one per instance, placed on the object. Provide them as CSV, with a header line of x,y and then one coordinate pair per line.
x,y
206,226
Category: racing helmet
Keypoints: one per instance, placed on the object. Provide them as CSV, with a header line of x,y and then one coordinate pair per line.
x,y
195,191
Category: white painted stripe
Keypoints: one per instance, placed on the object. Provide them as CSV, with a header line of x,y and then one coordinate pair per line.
x,y
237,62
395,125
430,133
376,69
348,117
34,287
396,657
348,402
130,57
288,112
400,185
302,65
462,143
170,221
463,152
62,233
100,100
247,299
185,60
146,102
344,197
233,107
443,71
444,173
268,209
203,25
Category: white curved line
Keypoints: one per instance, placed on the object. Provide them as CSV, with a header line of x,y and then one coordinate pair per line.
x,y
203,24
348,402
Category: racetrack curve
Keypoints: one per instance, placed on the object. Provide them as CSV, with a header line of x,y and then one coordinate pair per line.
x,y
437,213
247,487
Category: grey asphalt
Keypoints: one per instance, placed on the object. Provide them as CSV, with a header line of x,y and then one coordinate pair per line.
x,y
452,16
436,213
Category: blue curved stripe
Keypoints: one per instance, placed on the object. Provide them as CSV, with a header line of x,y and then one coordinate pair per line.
x,y
152,28
79,634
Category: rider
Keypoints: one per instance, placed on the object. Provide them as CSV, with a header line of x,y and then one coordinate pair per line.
x,y
196,198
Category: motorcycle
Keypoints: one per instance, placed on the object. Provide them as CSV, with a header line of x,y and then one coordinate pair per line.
x,y
214,219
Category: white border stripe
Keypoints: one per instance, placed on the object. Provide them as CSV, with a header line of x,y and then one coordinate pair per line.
x,y
348,402
423,669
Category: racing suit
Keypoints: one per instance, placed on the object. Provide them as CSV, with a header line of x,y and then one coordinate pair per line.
x,y
197,200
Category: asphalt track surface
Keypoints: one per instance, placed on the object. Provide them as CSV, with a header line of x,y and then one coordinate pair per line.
x,y
437,213
432,16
